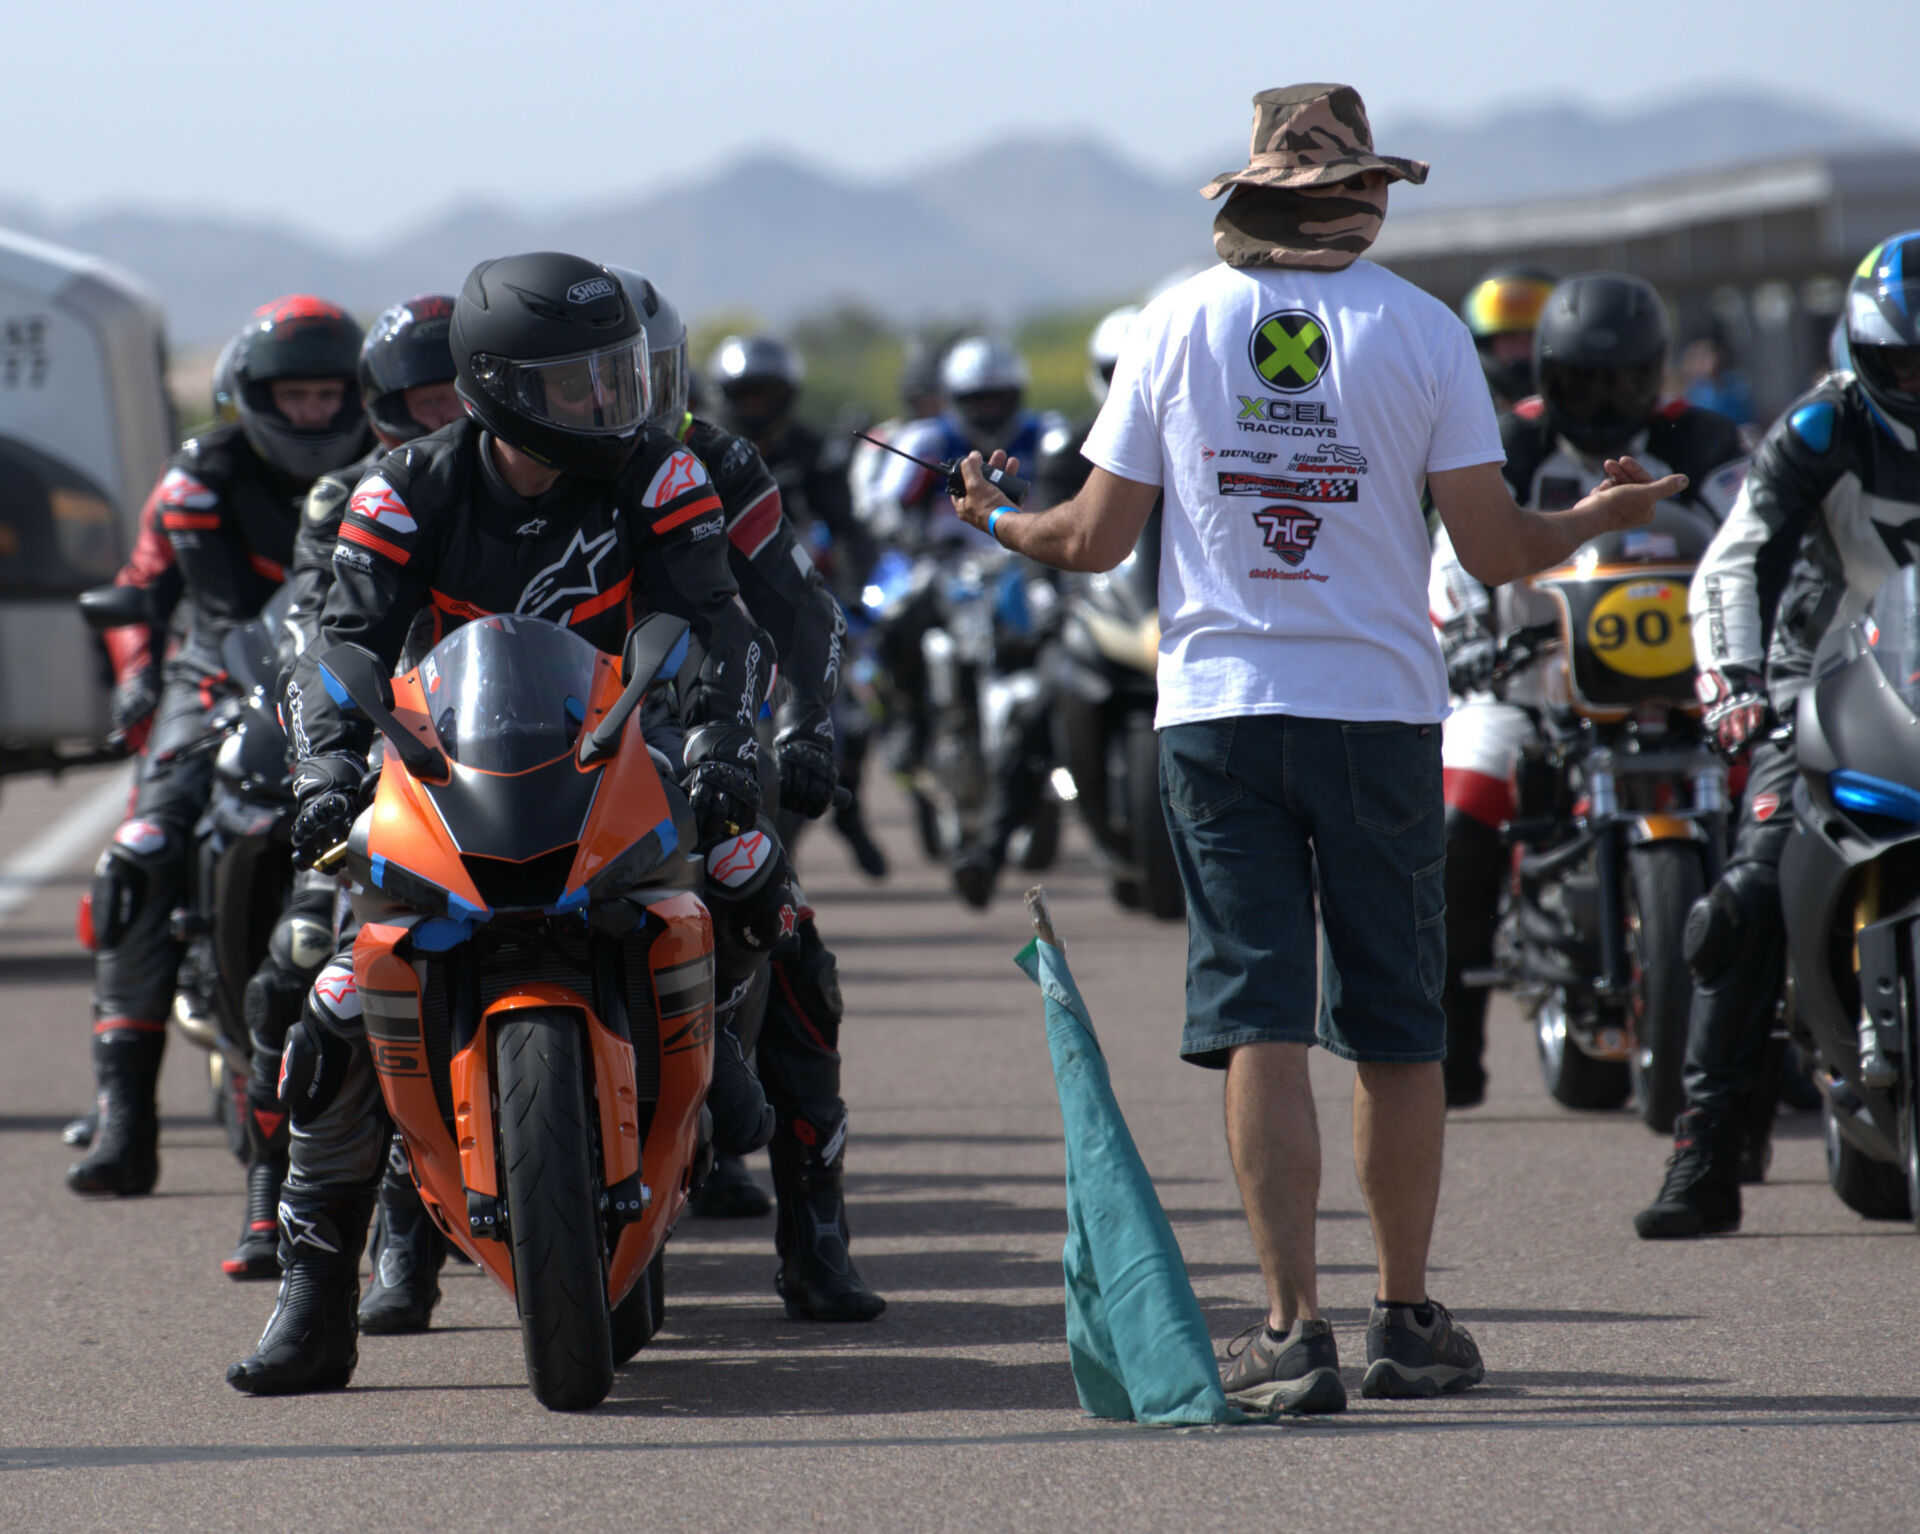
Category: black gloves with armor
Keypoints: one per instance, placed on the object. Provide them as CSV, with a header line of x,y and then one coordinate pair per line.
x,y
1736,705
723,780
803,748
328,789
135,696
1471,655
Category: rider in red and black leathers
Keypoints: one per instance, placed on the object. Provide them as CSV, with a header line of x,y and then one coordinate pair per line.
x,y
551,360
799,1045
227,503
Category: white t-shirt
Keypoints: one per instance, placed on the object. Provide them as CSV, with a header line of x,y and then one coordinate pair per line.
x,y
1291,418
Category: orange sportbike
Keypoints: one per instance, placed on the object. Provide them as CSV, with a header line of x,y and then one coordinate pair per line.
x,y
536,970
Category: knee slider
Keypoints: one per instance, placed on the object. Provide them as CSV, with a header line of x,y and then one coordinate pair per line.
x,y
747,890
1729,923
133,877
321,1044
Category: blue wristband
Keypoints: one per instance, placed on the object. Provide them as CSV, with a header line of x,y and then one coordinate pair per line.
x,y
993,521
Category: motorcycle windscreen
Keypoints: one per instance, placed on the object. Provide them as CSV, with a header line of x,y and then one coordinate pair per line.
x,y
1892,630
508,694
508,698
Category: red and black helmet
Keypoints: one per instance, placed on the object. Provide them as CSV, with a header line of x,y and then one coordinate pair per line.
x,y
299,336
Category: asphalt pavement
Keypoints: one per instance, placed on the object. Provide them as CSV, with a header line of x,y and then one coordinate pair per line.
x,y
1759,1382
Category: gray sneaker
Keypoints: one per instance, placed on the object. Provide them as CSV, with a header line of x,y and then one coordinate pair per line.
x,y
1299,1372
1408,1359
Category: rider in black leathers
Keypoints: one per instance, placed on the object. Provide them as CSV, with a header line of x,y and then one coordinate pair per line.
x,y
406,383
799,1045
228,503
1831,508
756,384
611,519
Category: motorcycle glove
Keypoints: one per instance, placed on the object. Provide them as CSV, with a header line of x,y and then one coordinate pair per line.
x,y
1470,665
803,751
1736,706
328,788
135,696
725,797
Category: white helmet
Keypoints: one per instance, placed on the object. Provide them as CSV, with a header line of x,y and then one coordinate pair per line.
x,y
982,365
1103,349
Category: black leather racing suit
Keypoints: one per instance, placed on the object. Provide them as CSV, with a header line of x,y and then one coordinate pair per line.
x,y
433,538
799,1049
229,518
1831,508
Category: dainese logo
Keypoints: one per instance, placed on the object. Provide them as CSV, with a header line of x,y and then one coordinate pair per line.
x,y
1290,350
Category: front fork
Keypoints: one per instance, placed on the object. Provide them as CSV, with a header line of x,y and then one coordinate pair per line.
x,y
1603,812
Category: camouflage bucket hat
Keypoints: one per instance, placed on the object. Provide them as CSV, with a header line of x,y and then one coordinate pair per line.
x,y
1310,135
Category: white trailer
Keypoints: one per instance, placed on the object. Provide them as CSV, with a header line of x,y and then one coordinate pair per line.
x,y
84,429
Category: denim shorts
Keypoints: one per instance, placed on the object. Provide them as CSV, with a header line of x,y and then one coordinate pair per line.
x,y
1272,815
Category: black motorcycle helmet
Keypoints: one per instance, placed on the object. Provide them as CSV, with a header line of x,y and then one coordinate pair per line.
x,y
1883,327
406,347
758,379
667,360
1601,355
1507,301
551,357
298,336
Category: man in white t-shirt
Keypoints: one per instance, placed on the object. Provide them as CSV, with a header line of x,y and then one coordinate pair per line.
x,y
1290,404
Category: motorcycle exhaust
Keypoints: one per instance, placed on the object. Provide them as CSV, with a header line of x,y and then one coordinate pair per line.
x,y
203,1029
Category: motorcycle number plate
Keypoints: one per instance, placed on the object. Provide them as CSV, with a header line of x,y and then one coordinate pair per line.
x,y
1640,628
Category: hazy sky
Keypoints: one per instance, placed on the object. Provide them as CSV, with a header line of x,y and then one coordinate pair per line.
x,y
358,116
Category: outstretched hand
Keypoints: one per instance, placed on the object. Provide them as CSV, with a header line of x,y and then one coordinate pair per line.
x,y
1627,496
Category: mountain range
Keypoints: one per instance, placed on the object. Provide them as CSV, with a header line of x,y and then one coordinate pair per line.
x,y
1017,227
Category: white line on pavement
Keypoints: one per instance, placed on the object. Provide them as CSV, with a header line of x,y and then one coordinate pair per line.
x,y
56,848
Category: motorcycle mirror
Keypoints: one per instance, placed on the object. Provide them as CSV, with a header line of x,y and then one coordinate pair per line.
x,y
115,607
354,678
659,645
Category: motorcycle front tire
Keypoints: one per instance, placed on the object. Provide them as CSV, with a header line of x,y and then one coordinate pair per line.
x,y
1664,879
547,1169
1876,1190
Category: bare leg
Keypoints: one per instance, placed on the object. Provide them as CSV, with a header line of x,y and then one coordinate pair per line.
x,y
1274,1137
1399,1125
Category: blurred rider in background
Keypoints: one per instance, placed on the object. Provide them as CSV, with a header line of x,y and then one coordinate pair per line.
x,y
1502,310
1060,470
985,382
1602,348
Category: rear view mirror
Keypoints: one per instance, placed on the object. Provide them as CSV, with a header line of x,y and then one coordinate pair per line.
x,y
658,647
354,678
115,607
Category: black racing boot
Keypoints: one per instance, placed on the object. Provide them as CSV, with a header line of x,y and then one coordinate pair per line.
x,y
851,823
816,1276
975,872
1757,1112
312,1339
729,1193
1701,1194
79,1132
1476,865
258,1254
125,1158
408,1253
742,1120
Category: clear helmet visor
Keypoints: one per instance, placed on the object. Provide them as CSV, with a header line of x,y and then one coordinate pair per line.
x,y
603,393
669,379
